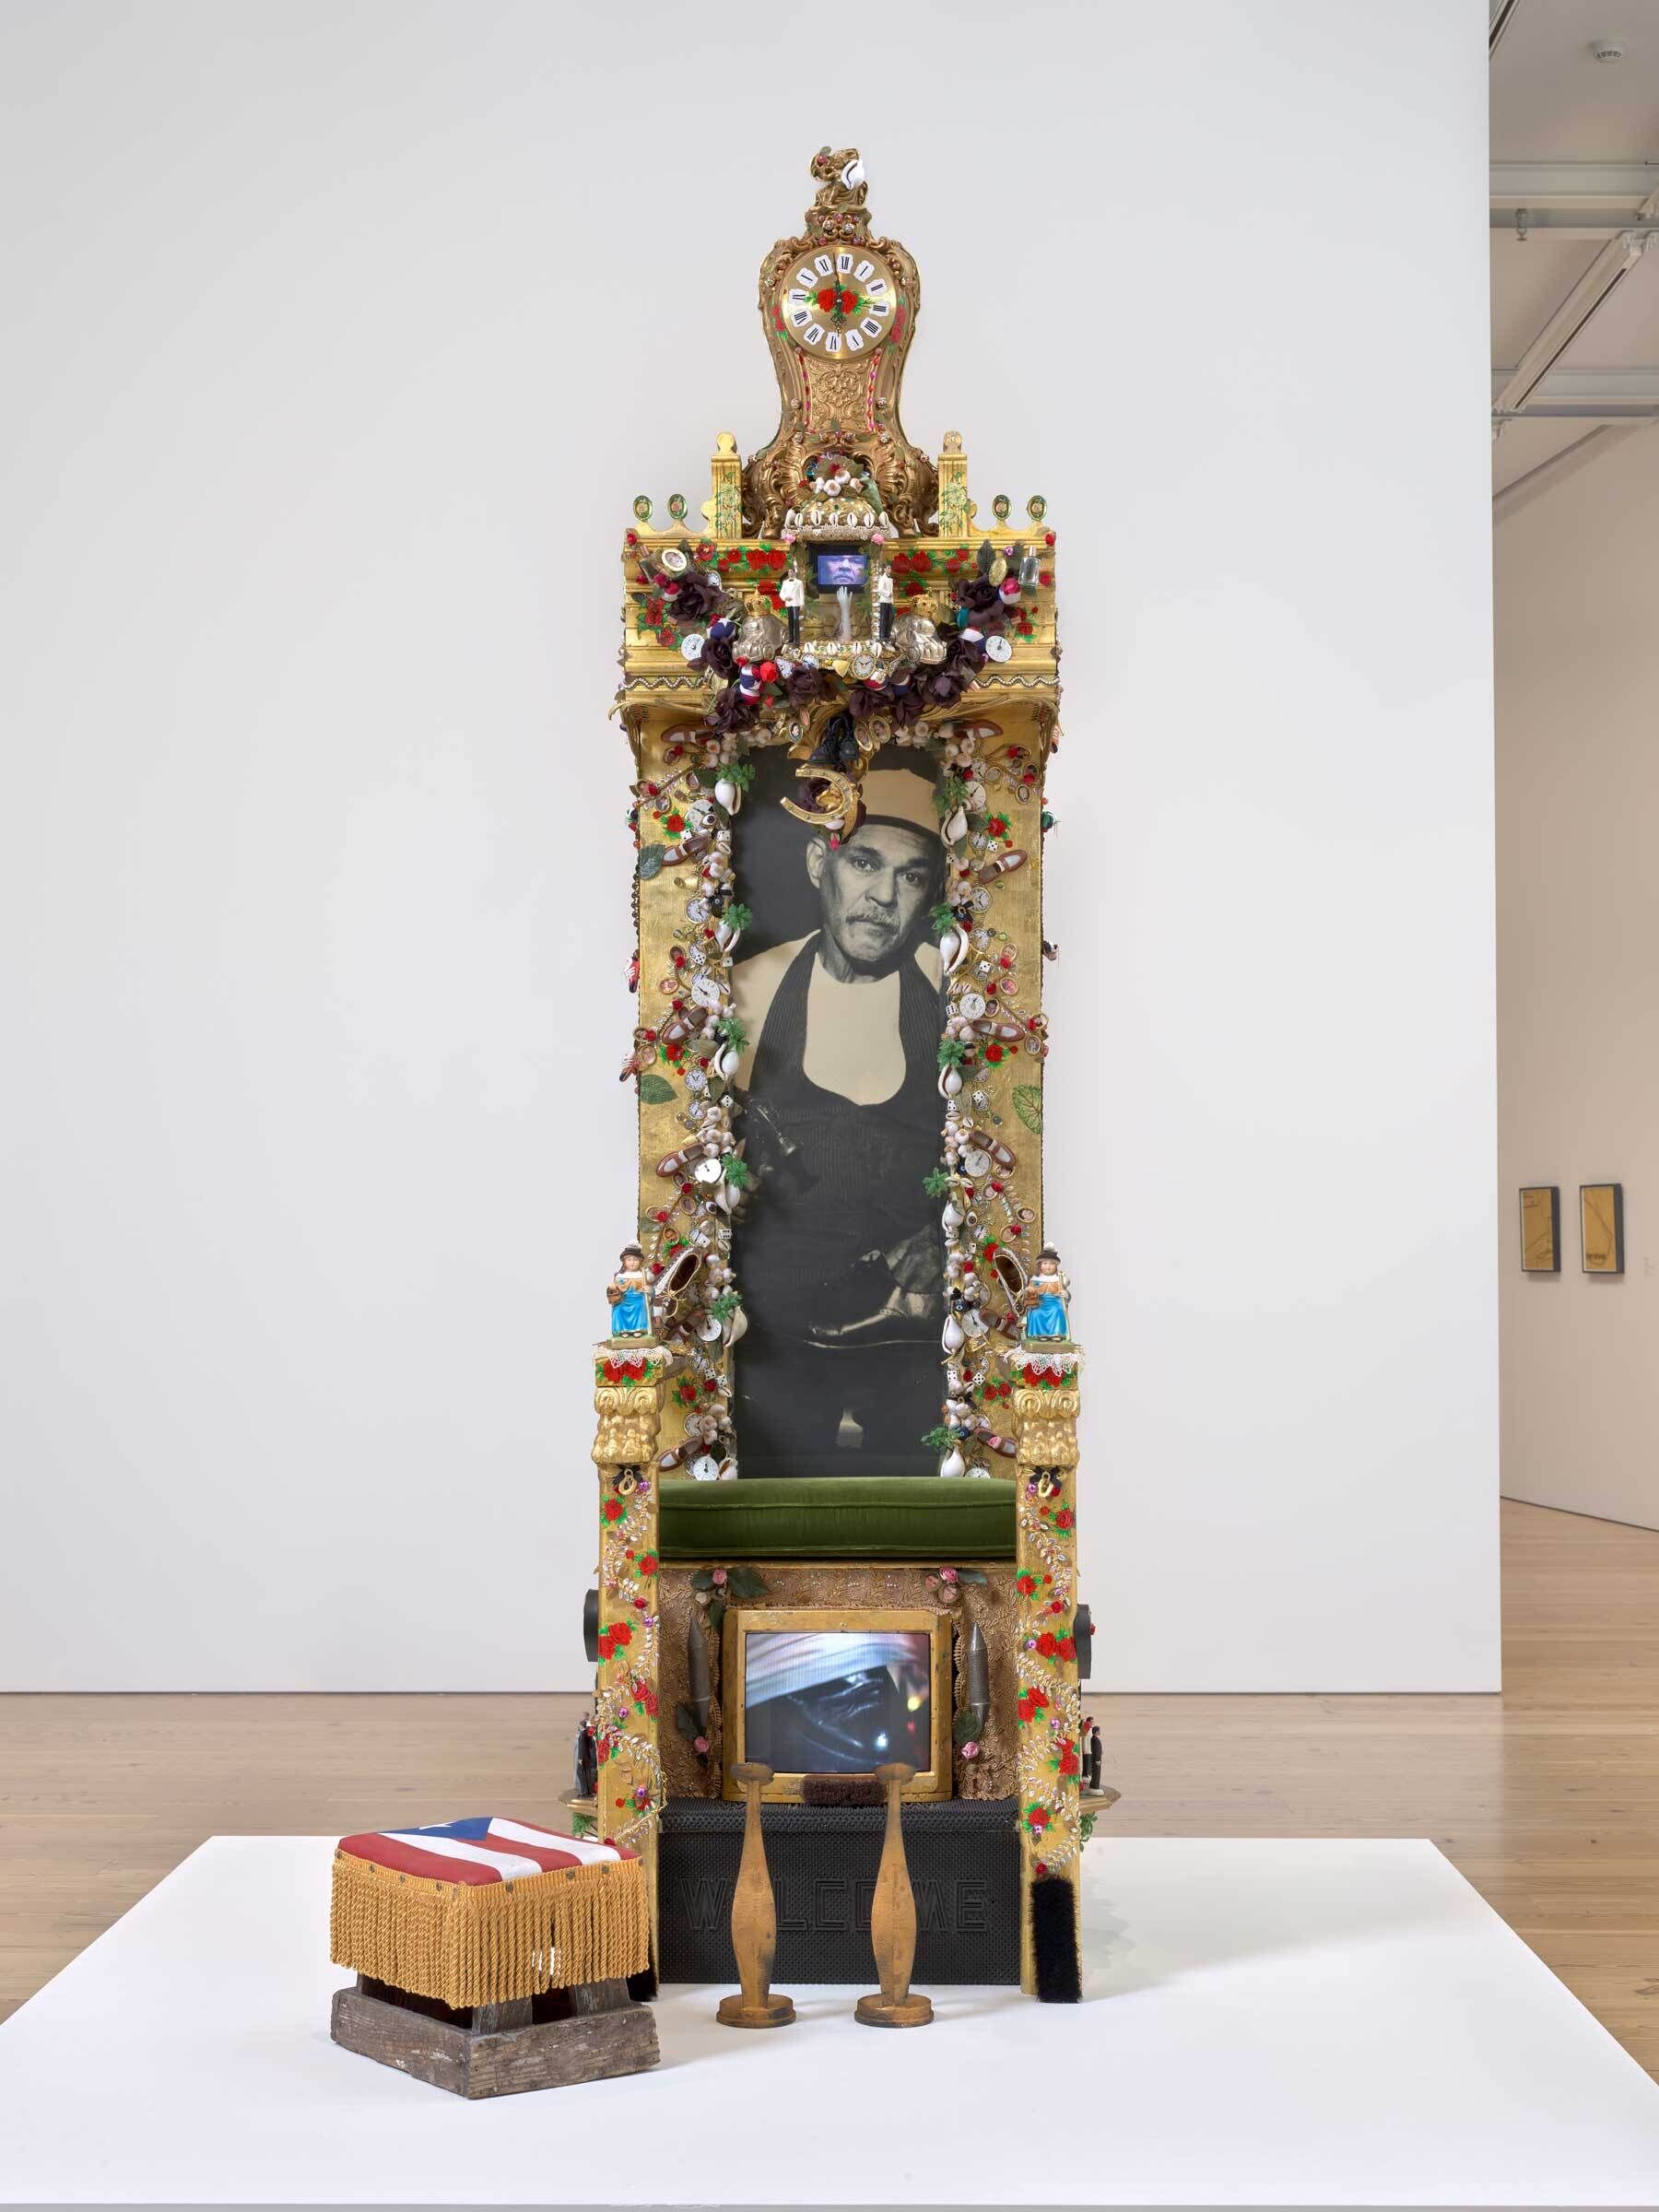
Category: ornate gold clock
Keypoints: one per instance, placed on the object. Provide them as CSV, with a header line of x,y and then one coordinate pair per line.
x,y
838,308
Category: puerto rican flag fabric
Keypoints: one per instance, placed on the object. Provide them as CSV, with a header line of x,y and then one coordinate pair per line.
x,y
483,1850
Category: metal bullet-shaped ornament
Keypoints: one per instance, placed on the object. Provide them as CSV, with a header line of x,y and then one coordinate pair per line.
x,y
697,1674
977,1672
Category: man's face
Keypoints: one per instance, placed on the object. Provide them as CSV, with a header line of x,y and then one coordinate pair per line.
x,y
873,889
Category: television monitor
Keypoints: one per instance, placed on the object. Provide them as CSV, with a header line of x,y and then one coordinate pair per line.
x,y
824,1692
834,570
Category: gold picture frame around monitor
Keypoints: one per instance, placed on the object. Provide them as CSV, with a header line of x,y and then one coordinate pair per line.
x,y
823,1691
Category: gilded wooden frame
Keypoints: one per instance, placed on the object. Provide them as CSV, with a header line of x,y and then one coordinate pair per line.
x,y
1030,1417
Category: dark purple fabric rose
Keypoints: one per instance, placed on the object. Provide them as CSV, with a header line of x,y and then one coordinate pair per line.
x,y
695,601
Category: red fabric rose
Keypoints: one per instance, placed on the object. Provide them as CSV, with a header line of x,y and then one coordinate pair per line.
x,y
1046,1645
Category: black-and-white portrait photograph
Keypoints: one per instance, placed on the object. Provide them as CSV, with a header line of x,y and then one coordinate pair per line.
x,y
841,1253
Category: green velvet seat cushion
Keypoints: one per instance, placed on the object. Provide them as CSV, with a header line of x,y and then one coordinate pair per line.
x,y
934,1518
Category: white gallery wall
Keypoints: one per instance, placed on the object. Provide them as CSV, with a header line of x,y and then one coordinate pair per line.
x,y
339,338
1577,908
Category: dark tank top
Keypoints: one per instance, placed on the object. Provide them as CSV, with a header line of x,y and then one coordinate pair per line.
x,y
854,1183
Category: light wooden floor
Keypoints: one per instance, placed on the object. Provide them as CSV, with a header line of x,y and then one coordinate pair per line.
x,y
1547,1799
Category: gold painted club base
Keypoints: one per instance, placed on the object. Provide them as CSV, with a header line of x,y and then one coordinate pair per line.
x,y
877,2011
771,2012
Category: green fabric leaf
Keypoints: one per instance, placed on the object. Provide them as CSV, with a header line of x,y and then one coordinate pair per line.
x,y
1028,1105
743,1582
651,862
965,1729
970,1576
655,1090
703,1578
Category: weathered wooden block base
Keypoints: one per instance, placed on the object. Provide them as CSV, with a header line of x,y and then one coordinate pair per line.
x,y
541,2043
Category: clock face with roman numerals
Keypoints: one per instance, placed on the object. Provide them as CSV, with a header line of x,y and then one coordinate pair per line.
x,y
838,301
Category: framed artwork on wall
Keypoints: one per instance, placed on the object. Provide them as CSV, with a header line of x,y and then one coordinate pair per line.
x,y
1541,1228
1601,1225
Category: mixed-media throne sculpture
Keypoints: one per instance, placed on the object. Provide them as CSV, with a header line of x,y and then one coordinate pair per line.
x,y
837,1410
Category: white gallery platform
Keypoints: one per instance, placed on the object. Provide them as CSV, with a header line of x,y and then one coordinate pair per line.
x,y
1265,2023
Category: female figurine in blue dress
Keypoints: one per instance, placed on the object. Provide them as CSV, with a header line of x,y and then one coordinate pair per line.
x,y
628,1293
1046,1294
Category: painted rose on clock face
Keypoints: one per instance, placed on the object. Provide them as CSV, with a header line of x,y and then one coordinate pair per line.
x,y
837,304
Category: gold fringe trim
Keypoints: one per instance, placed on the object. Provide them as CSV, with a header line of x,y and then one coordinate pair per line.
x,y
485,1943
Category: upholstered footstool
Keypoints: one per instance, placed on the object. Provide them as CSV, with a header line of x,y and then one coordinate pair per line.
x,y
492,1956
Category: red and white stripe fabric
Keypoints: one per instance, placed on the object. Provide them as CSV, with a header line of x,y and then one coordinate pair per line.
x,y
487,1849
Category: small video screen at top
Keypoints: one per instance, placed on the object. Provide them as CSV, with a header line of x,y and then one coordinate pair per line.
x,y
835,569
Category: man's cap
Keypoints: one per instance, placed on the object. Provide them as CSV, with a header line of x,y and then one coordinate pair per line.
x,y
899,796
